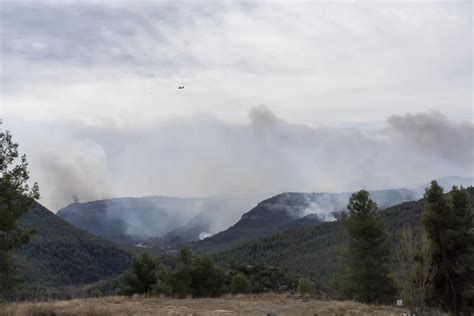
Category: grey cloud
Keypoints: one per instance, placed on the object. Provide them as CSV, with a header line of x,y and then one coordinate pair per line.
x,y
314,62
205,156
95,84
435,134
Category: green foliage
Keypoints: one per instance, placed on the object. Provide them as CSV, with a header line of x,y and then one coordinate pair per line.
x,y
16,197
306,287
414,270
59,254
240,284
141,278
207,279
316,249
367,252
163,282
198,277
182,278
266,278
448,221
185,256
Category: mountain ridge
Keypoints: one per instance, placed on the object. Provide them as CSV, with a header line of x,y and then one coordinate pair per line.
x,y
314,249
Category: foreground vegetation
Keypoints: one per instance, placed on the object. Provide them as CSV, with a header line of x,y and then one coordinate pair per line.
x,y
16,197
227,305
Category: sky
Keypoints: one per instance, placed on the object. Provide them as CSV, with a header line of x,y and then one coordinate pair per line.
x,y
279,95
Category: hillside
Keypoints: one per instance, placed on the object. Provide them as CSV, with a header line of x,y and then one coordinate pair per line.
x,y
136,220
166,223
292,210
313,249
60,254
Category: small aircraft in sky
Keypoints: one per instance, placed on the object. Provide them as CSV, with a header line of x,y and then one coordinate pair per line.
x,y
180,87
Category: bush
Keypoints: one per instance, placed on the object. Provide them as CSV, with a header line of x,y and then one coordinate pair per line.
x,y
198,277
163,283
240,284
181,278
181,281
142,277
207,279
306,287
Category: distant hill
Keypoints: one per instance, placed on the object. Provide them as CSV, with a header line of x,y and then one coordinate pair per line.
x,y
60,254
313,249
292,210
166,223
136,220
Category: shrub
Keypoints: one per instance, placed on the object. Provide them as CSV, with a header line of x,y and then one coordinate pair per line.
x,y
163,282
207,279
181,278
306,287
142,277
240,284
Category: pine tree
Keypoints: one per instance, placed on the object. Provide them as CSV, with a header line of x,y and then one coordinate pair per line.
x,y
449,224
207,279
462,235
182,278
367,252
163,283
16,197
141,278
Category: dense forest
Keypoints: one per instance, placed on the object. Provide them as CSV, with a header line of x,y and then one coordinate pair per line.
x,y
59,254
315,250
289,210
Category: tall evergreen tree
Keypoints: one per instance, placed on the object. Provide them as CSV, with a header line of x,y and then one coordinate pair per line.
x,y
367,253
16,197
462,234
182,277
141,278
449,224
207,279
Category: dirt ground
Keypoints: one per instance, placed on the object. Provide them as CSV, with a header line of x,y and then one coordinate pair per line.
x,y
270,304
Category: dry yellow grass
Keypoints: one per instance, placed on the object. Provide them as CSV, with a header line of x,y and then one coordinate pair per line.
x,y
225,306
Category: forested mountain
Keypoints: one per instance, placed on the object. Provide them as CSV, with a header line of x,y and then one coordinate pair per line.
x,y
135,220
313,249
292,210
60,254
163,222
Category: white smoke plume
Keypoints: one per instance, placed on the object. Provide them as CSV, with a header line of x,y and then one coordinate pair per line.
x,y
203,156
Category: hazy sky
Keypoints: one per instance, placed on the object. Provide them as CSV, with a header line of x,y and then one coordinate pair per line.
x,y
89,88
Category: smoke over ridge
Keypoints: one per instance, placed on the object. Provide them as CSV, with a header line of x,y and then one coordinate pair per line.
x,y
202,155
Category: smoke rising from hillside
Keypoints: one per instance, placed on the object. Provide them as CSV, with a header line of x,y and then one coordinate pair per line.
x,y
202,156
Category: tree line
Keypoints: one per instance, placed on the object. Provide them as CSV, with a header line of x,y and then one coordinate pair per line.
x,y
199,276
433,269
196,277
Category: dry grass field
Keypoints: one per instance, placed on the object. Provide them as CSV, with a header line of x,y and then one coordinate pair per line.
x,y
270,304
